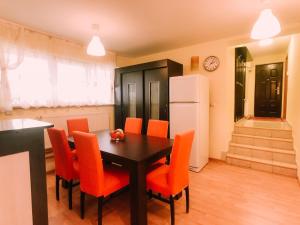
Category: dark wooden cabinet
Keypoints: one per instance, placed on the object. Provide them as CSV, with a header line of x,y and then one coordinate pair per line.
x,y
143,91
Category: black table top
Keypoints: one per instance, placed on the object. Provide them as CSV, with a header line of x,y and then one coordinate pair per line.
x,y
21,124
135,147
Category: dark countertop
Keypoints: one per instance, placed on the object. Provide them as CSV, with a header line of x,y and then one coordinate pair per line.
x,y
22,124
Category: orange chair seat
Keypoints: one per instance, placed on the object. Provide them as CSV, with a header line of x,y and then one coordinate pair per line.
x,y
115,178
157,181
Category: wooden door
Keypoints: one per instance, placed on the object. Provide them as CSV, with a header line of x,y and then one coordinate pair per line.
x,y
156,95
132,95
268,90
240,84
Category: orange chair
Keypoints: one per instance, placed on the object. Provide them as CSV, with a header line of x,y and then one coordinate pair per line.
x,y
133,125
170,180
158,128
95,179
77,124
66,165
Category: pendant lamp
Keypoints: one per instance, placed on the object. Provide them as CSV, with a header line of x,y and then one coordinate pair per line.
x,y
95,47
266,26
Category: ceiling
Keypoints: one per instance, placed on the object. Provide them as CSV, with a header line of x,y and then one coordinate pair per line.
x,y
140,27
278,47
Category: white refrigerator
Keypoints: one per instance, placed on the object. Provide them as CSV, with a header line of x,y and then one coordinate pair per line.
x,y
189,109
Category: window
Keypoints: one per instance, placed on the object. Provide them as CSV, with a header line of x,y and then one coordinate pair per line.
x,y
41,81
30,83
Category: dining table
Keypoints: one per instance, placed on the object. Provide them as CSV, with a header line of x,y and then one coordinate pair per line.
x,y
136,153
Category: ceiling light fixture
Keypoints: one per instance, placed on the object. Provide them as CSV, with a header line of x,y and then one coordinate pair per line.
x,y
265,42
95,47
266,26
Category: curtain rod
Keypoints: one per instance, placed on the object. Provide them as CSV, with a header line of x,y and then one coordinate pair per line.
x,y
39,31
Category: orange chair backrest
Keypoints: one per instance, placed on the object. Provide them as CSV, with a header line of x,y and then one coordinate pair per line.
x,y
133,125
62,153
158,128
77,124
178,177
90,163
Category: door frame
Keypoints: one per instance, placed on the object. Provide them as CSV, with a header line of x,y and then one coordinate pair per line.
x,y
281,87
285,88
243,54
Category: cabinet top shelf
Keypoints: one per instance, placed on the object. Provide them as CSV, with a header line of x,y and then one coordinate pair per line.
x,y
21,124
149,65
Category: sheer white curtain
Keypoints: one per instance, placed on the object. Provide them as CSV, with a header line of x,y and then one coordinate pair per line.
x,y
11,56
39,70
48,81
83,83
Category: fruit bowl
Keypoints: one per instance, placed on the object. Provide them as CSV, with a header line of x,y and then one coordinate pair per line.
x,y
117,135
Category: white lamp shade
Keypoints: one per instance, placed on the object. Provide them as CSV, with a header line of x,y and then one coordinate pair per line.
x,y
95,47
266,26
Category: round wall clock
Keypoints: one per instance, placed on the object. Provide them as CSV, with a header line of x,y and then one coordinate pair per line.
x,y
211,63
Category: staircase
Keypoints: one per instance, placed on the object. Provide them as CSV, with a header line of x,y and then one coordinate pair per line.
x,y
263,145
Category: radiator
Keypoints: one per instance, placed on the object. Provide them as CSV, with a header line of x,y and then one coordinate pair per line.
x,y
97,121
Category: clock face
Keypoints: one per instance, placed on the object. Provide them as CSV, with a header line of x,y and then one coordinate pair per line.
x,y
211,63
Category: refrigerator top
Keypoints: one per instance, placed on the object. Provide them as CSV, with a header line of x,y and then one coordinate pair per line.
x,y
187,88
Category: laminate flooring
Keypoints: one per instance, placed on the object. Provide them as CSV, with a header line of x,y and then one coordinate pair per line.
x,y
220,194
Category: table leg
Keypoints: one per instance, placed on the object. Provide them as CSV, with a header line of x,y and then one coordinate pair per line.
x,y
138,198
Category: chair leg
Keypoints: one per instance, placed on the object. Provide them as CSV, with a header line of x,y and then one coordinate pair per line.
x,y
150,194
70,186
100,203
82,197
172,210
57,178
187,199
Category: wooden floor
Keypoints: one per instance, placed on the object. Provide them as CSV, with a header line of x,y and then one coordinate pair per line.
x,y
220,194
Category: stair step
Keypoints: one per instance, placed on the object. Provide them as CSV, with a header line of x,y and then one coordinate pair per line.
x,y
285,156
266,138
269,162
260,141
273,133
267,125
289,169
258,148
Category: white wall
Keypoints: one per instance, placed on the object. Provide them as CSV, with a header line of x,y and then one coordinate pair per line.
x,y
221,86
37,113
250,79
293,100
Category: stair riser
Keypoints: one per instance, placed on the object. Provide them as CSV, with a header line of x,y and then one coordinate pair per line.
x,y
262,167
260,142
261,154
286,134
